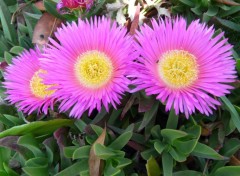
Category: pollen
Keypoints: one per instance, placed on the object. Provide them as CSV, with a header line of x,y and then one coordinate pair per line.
x,y
38,88
93,69
178,69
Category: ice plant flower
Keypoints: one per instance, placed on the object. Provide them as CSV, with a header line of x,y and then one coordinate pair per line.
x,y
24,84
73,4
90,65
184,66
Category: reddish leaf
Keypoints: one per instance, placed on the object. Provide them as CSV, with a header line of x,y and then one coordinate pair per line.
x,y
3,65
145,104
128,105
61,137
11,143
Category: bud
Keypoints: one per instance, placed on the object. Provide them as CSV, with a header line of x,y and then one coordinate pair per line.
x,y
73,4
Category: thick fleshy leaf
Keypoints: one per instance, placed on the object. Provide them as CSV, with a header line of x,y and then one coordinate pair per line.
x,y
159,146
148,153
68,151
167,162
10,142
37,128
36,166
75,169
172,121
111,170
203,151
105,153
178,156
5,155
156,132
153,168
32,144
187,173
50,145
171,134
60,136
230,147
121,141
16,50
82,152
228,170
148,116
9,170
234,114
229,24
122,162
8,28
186,144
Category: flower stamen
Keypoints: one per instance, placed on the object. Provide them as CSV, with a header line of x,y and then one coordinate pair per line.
x,y
93,69
178,68
37,87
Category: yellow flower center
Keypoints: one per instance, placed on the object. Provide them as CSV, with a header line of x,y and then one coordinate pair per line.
x,y
39,89
178,68
93,69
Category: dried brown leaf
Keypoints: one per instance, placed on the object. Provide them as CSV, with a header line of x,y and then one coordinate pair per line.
x,y
40,5
135,21
234,161
228,2
44,28
94,162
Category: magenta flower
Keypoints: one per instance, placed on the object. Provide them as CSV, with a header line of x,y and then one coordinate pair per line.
x,y
73,4
25,86
90,65
183,65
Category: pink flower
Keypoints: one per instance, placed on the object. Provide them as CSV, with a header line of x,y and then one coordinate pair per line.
x,y
25,86
90,65
72,4
184,66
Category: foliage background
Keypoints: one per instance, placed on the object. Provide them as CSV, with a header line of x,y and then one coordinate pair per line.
x,y
139,138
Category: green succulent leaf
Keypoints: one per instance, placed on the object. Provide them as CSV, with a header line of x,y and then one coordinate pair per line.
x,y
234,114
121,141
8,28
203,151
82,152
153,168
167,162
105,153
36,166
170,135
37,128
228,170
188,173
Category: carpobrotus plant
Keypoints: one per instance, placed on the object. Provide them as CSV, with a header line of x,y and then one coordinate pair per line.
x,y
184,66
24,84
90,65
